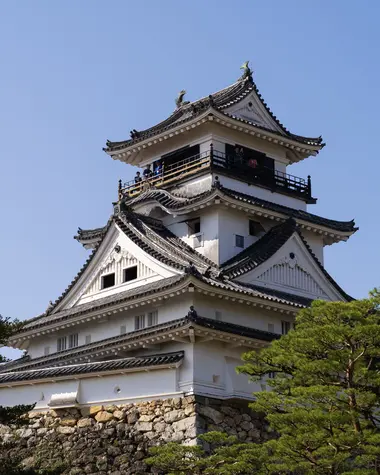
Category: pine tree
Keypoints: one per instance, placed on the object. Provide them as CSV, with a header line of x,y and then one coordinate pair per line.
x,y
324,400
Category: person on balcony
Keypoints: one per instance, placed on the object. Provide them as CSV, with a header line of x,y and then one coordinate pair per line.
x,y
147,173
158,169
138,178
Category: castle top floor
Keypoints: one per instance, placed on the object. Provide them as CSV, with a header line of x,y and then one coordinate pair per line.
x,y
232,132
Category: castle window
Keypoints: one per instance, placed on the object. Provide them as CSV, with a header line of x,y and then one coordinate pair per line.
x,y
73,340
139,322
239,241
255,228
108,280
130,273
194,226
62,343
88,339
285,327
152,318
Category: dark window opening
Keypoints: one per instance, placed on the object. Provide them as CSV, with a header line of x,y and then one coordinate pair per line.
x,y
255,228
239,155
172,158
194,226
130,273
108,280
239,241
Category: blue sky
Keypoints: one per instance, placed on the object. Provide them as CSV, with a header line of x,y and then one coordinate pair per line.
x,y
74,74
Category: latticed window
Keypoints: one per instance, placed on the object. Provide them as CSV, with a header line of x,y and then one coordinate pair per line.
x,y
152,318
285,327
139,322
62,343
73,340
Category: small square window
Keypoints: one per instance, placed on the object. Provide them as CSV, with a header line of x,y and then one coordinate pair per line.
x,y
139,322
152,318
239,241
73,340
271,375
130,273
108,280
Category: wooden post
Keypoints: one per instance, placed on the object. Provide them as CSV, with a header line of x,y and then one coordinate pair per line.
x,y
119,190
309,186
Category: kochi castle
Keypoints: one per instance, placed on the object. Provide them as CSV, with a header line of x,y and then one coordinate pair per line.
x,y
210,252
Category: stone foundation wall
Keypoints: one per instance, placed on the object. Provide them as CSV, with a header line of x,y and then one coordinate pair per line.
x,y
115,439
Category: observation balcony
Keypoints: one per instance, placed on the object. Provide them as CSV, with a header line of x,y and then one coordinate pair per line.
x,y
226,164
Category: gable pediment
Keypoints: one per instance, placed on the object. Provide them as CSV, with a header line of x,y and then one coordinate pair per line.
x,y
116,253
293,270
252,110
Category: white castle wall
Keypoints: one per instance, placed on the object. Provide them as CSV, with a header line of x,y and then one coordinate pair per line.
x,y
208,369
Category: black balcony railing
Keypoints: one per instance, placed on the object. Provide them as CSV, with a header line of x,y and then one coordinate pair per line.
x,y
250,172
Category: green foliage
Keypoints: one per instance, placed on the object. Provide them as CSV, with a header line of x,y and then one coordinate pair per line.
x,y
14,415
7,328
325,396
176,459
323,405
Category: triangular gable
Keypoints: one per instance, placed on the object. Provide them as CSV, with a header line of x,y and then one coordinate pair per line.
x,y
252,110
115,253
292,268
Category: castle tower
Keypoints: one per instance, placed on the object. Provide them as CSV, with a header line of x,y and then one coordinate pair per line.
x,y
210,252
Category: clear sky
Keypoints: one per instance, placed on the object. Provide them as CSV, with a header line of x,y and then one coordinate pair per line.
x,y
75,73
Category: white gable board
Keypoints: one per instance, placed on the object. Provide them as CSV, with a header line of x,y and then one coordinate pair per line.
x,y
252,109
116,253
292,269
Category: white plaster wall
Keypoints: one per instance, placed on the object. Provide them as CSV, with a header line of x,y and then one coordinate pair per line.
x,y
215,374
316,244
208,369
262,193
109,326
239,314
232,223
93,390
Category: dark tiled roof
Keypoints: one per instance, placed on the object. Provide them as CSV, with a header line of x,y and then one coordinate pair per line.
x,y
217,101
131,337
90,234
261,250
257,291
104,302
267,246
173,202
155,239
99,367
343,226
234,329
151,236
